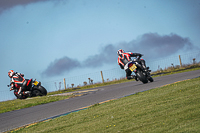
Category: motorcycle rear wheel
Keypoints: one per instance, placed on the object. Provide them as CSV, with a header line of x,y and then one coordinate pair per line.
x,y
39,91
142,77
36,92
43,90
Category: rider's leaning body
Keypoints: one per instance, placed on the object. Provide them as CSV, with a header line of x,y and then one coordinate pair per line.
x,y
124,58
17,81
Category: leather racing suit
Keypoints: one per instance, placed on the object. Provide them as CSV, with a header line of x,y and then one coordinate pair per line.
x,y
18,81
124,58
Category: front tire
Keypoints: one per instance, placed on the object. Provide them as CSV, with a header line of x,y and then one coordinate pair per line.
x,y
150,79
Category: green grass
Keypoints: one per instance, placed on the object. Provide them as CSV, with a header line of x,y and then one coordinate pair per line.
x,y
88,86
167,71
16,104
176,69
171,108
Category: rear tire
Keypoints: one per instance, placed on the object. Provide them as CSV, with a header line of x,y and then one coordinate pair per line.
x,y
142,77
39,91
36,92
150,79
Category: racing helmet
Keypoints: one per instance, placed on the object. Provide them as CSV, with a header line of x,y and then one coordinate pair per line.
x,y
11,73
120,51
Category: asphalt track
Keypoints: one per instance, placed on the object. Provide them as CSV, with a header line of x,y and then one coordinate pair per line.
x,y
18,118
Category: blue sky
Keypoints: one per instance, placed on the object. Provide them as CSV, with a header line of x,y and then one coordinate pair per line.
x,y
52,39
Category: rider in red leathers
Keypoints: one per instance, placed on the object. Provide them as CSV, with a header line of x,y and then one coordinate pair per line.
x,y
18,81
124,58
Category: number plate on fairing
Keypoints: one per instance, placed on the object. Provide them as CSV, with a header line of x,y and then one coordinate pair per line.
x,y
133,67
36,83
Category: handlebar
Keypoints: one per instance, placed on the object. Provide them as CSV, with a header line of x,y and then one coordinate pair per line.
x,y
139,56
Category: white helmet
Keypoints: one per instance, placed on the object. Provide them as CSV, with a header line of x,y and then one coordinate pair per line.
x,y
11,73
120,51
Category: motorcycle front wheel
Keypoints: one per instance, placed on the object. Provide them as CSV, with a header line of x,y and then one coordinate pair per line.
x,y
150,79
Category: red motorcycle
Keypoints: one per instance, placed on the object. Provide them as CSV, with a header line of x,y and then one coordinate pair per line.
x,y
33,89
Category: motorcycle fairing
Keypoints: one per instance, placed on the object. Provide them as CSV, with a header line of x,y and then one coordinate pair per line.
x,y
36,83
131,66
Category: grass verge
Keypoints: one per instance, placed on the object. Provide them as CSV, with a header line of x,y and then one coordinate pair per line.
x,y
20,104
168,71
16,104
171,108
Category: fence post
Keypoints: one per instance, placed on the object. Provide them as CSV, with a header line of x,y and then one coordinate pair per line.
x,y
64,83
194,60
102,77
180,60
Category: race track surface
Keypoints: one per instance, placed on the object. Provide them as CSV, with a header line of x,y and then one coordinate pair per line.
x,y
18,118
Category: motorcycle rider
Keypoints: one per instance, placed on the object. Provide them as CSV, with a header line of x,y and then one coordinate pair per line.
x,y
124,58
17,79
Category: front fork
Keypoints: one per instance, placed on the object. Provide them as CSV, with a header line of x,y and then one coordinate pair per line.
x,y
146,73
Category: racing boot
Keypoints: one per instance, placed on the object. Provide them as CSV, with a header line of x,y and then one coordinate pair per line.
x,y
27,93
20,95
130,77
